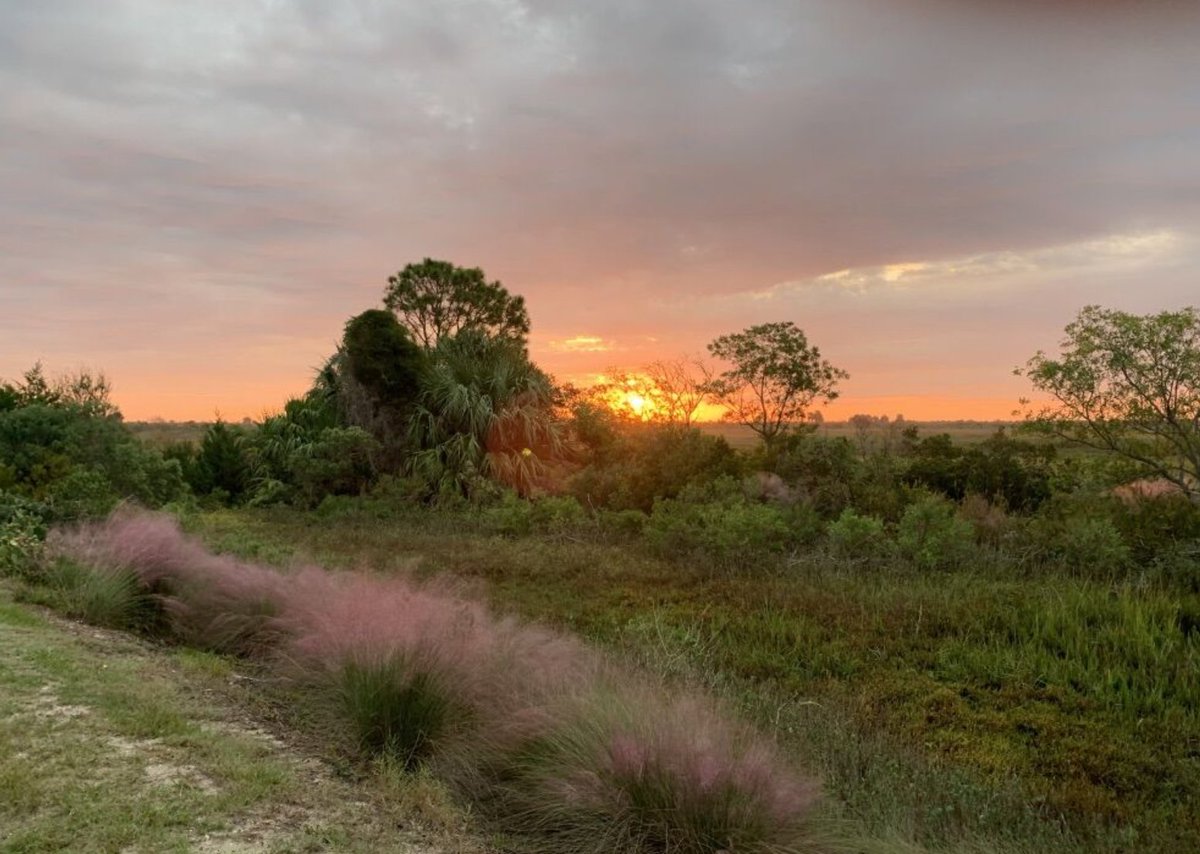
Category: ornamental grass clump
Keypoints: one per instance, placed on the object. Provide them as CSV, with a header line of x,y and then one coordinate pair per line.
x,y
573,751
215,602
624,769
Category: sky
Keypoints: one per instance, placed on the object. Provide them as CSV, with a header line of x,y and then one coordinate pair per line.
x,y
195,196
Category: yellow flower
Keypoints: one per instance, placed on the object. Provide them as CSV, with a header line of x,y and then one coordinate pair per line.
x,y
525,452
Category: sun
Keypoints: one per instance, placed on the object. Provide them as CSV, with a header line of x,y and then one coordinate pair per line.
x,y
635,402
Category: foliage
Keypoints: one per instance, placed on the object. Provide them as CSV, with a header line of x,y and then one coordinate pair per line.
x,y
63,445
22,532
776,376
514,516
485,411
636,465
856,537
222,464
932,535
381,356
1128,384
339,461
436,300
1001,469
726,531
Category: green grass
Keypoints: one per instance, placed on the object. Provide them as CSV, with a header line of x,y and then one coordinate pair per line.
x,y
965,710
108,744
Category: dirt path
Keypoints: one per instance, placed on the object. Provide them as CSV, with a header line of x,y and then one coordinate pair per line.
x,y
112,744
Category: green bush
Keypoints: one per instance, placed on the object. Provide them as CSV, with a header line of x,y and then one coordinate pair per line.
x,y
22,532
724,532
514,516
856,537
338,462
650,462
931,534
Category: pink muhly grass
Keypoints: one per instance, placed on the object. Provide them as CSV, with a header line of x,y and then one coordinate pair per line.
x,y
628,770
567,746
211,601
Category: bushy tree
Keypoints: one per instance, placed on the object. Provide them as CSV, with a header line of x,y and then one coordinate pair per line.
x,y
774,378
382,357
484,411
62,445
436,300
1128,384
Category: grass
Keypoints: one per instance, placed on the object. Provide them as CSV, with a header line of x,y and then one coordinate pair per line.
x,y
108,743
427,677
965,710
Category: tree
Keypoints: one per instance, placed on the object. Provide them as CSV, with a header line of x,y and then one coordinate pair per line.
x,y
382,357
1128,384
680,386
435,299
776,375
484,411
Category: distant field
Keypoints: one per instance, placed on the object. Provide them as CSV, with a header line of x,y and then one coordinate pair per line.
x,y
962,432
159,433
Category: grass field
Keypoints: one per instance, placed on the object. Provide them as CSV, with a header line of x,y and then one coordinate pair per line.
x,y
962,432
969,711
108,743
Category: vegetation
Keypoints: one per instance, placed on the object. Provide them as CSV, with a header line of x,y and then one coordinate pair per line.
x,y
983,645
1130,385
774,378
436,300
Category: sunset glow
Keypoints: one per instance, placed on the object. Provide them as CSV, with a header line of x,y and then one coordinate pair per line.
x,y
199,216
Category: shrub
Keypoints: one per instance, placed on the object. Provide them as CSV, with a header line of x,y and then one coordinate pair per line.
x,y
22,531
932,536
856,537
652,462
514,516
338,462
735,533
629,523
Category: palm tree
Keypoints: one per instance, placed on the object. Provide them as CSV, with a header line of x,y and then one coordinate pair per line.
x,y
484,411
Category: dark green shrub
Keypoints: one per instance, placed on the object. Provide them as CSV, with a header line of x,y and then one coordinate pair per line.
x,y
339,462
222,463
515,516
726,533
22,533
862,538
651,462
931,534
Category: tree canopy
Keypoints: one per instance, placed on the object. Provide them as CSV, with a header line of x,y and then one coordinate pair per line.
x,y
1129,384
436,299
774,378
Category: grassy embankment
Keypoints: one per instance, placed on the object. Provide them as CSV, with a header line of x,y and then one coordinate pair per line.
x,y
952,710
109,743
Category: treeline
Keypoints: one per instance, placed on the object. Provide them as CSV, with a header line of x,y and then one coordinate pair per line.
x,y
434,401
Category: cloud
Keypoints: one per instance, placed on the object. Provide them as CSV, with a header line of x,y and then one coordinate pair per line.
x,y
1109,254
200,174
581,344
